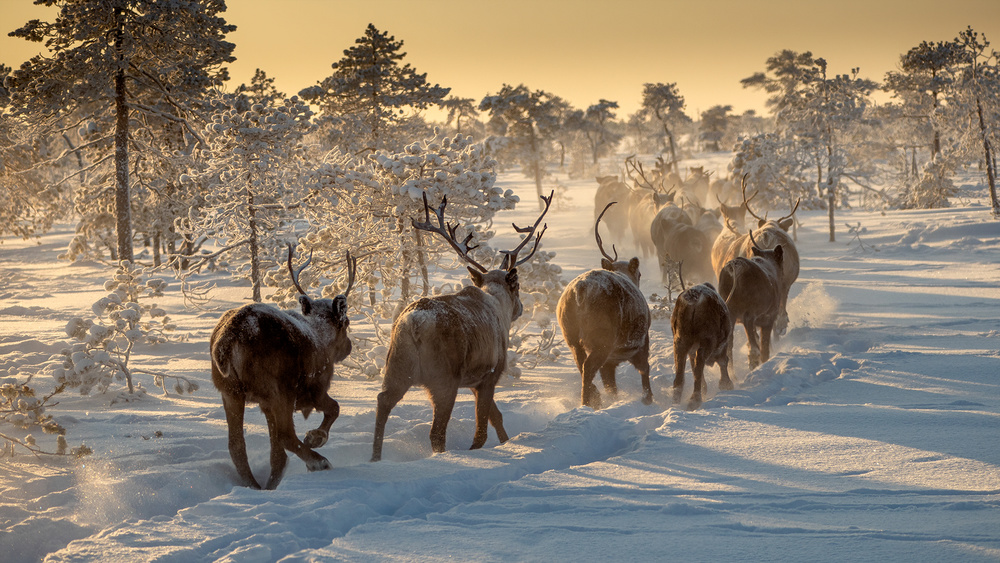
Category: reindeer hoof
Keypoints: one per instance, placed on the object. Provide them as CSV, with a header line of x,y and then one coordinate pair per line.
x,y
726,385
316,438
647,398
321,464
693,404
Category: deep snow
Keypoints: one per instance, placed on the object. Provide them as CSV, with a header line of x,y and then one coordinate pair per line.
x,y
871,435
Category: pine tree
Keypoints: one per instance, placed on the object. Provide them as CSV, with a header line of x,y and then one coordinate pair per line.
x,y
528,120
370,90
597,121
116,65
714,123
255,160
665,103
461,111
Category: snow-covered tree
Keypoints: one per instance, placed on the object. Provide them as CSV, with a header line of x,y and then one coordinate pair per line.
x,y
816,111
252,176
116,66
714,123
463,112
528,120
102,346
597,121
370,92
29,200
665,104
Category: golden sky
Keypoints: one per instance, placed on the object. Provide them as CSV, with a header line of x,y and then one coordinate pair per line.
x,y
581,50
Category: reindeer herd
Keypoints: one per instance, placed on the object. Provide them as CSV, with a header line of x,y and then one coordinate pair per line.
x,y
284,360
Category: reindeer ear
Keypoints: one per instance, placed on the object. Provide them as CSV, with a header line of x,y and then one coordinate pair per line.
x,y
340,306
779,252
785,224
606,264
512,278
761,223
633,265
306,304
477,276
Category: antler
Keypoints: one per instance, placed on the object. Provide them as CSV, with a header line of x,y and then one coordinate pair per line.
x,y
636,166
752,240
352,270
597,233
448,231
746,201
295,273
510,260
794,209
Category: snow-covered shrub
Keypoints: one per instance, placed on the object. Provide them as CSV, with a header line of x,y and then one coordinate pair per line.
x,y
366,204
931,189
21,407
103,345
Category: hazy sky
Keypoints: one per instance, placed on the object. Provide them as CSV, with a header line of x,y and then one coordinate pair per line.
x,y
582,50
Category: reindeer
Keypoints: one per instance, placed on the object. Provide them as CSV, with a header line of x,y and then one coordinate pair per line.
x,y
605,321
752,288
770,233
678,240
282,360
458,340
611,189
646,199
703,331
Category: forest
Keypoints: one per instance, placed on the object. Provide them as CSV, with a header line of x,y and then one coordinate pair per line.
x,y
168,171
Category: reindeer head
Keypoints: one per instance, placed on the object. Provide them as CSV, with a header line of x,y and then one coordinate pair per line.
x,y
327,316
784,223
611,263
503,278
775,255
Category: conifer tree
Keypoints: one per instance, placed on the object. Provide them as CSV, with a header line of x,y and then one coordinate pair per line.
x,y
115,66
371,90
665,103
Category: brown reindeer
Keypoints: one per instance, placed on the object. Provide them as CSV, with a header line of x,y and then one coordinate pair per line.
x,y
459,340
703,331
282,360
771,233
752,289
610,188
605,321
678,240
646,199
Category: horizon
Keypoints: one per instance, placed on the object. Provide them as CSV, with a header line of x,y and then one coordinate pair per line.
x,y
592,52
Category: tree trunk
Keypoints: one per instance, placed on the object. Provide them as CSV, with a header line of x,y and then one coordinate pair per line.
x,y
123,205
536,167
254,248
990,168
422,262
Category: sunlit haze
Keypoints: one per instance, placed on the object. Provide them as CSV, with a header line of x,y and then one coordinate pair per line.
x,y
581,50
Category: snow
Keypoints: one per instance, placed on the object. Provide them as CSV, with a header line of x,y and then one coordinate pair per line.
x,y
870,435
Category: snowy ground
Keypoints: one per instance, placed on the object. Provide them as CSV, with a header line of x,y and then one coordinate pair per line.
x,y
871,435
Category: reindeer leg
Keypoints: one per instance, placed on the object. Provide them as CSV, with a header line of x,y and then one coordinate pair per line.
x,y
485,407
444,402
234,407
641,363
725,383
765,343
680,356
590,396
698,367
331,410
496,419
754,349
387,399
282,430
607,372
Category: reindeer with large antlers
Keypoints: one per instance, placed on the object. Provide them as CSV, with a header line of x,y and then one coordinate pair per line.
x,y
282,360
769,234
605,319
647,197
460,340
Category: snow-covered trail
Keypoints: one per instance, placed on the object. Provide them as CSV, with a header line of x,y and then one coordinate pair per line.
x,y
870,435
